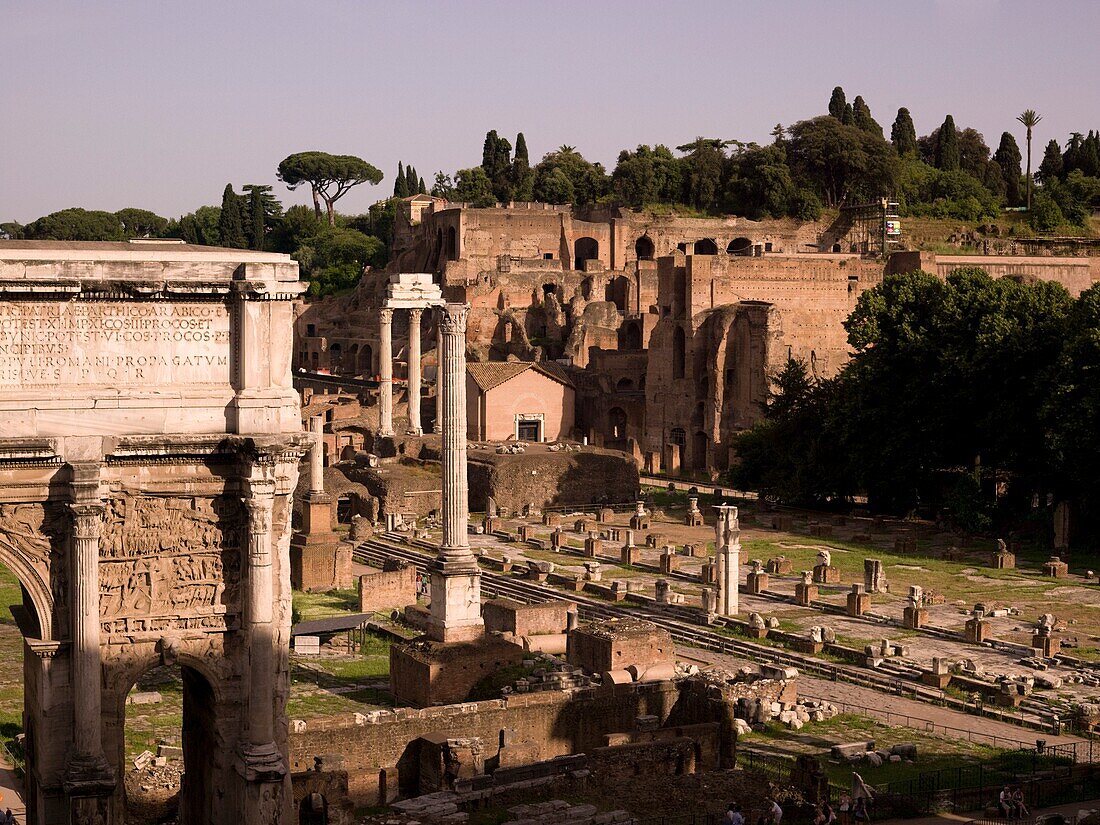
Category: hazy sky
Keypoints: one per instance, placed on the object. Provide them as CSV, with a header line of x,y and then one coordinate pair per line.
x,y
159,104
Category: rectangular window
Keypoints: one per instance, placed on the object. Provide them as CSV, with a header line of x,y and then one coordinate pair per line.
x,y
311,330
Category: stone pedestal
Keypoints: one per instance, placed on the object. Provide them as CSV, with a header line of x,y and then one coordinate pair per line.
x,y
592,545
826,574
490,525
804,594
859,602
807,646
755,632
780,566
526,532
874,576
551,519
976,630
670,563
606,515
727,556
1004,560
915,617
1048,646
584,525
557,539
905,544
696,550
655,540
708,573
1055,568
630,554
662,591
318,560
756,582
640,520
934,679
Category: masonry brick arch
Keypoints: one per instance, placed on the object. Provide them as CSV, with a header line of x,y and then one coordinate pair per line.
x,y
585,249
706,246
739,246
644,248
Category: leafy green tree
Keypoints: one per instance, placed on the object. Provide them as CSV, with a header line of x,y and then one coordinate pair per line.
x,y
973,153
334,259
903,134
231,221
141,223
473,186
1046,216
421,189
841,162
760,183
11,230
837,102
330,177
443,187
702,167
947,146
400,182
199,227
76,225
588,181
1008,158
263,210
1051,167
523,178
297,226
1030,119
646,175
861,117
554,186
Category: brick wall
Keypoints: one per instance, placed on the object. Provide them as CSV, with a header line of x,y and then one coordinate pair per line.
x,y
387,590
545,478
507,616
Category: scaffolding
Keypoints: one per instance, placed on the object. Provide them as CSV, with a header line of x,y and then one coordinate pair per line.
x,y
875,227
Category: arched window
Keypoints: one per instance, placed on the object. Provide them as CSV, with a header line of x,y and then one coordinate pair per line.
x,y
335,357
585,249
706,246
679,345
624,385
677,436
632,336
365,361
643,248
739,246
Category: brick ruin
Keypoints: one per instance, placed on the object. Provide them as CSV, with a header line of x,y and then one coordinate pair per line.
x,y
668,326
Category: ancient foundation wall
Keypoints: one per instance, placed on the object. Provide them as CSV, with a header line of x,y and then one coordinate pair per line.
x,y
544,725
585,477
387,590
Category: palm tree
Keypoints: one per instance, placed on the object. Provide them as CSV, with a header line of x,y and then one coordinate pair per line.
x,y
1029,118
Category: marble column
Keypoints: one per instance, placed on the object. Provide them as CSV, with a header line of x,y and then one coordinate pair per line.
x,y
317,455
456,578
414,372
88,777
727,551
385,369
260,756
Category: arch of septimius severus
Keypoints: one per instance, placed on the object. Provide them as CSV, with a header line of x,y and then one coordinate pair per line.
x,y
149,448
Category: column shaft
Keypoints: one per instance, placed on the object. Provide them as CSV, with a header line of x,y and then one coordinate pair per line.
x,y
452,396
87,712
260,596
414,372
385,369
317,455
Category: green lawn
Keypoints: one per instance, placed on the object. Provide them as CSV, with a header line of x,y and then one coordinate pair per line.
x,y
11,654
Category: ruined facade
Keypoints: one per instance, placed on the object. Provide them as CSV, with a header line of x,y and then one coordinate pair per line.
x,y
147,462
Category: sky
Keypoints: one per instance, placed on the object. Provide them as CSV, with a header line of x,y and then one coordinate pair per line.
x,y
158,105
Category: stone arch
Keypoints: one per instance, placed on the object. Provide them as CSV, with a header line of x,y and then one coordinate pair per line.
x,y
706,246
739,246
335,356
643,248
36,588
624,385
585,249
618,292
452,244
616,422
679,352
365,361
313,809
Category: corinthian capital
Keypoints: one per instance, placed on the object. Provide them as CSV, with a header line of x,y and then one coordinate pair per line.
x,y
452,318
87,520
385,316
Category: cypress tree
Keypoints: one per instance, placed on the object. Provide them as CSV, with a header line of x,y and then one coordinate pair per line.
x,y
1008,157
523,178
489,152
421,188
1051,167
947,146
256,207
861,117
230,226
903,134
412,180
400,183
849,117
837,103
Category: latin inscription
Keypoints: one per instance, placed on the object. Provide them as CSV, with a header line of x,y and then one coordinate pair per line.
x,y
117,343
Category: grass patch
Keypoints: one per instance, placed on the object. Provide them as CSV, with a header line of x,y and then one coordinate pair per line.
x,y
307,606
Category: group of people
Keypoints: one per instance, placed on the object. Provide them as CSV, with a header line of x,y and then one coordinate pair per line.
x,y
771,815
1011,803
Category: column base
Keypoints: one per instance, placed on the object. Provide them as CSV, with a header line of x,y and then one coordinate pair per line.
x,y
260,763
456,602
88,775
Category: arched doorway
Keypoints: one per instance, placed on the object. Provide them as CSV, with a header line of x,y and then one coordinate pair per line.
x,y
739,246
585,249
616,422
365,361
452,244
173,703
679,346
336,358
618,292
624,385
699,445
706,246
313,810
643,248
632,336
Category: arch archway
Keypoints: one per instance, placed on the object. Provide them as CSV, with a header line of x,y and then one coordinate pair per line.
x,y
632,336
365,361
335,357
643,248
624,385
616,422
585,249
618,292
739,246
452,244
706,246
679,347
313,810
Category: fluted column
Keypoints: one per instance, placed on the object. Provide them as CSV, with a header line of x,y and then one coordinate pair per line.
x,y
414,372
727,551
385,369
452,399
87,712
456,578
317,455
260,753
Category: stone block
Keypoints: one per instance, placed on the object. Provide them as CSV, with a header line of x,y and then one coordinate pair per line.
x,y
1047,645
977,629
606,515
696,550
858,603
756,583
655,540
905,544
826,574
804,594
592,546
490,524
630,554
780,566
1055,568
526,532
1004,560
708,573
670,563
551,519
914,618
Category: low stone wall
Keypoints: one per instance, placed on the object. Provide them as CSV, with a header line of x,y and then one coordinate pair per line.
x,y
543,478
387,589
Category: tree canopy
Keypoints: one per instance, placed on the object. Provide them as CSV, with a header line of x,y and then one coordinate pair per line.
x,y
330,177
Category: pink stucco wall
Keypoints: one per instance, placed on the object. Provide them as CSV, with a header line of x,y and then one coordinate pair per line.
x,y
491,416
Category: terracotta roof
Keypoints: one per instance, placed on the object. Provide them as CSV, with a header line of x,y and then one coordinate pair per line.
x,y
490,374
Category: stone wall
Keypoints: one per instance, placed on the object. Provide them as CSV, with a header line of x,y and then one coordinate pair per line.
x,y
507,616
387,589
1075,274
544,478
